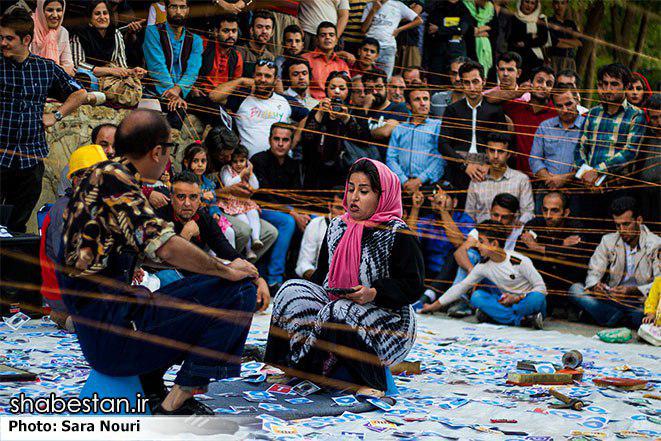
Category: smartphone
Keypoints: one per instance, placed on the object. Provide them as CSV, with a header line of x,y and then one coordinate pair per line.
x,y
341,291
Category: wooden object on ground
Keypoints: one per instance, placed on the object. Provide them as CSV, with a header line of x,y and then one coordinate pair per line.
x,y
528,379
621,383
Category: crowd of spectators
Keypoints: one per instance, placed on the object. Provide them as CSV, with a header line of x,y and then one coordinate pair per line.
x,y
507,180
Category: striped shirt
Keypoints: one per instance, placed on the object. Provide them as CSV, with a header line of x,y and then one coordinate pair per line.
x,y
610,142
352,33
481,195
79,56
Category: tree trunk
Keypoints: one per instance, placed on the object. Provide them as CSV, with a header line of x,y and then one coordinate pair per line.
x,y
626,35
593,28
588,82
640,42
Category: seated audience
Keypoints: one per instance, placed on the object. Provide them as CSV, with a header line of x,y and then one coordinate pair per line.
x,y
441,234
569,78
499,179
365,281
52,229
296,79
367,54
103,135
247,211
173,55
292,47
509,290
51,39
527,116
276,170
396,88
220,143
462,144
559,246
621,270
256,107
256,47
221,62
324,60
381,21
552,154
315,235
328,128
194,223
442,99
98,49
195,160
382,114
413,147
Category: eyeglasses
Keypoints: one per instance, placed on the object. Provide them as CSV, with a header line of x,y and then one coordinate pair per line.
x,y
265,62
179,7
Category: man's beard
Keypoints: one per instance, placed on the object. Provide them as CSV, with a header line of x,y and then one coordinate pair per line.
x,y
264,90
228,43
378,100
177,21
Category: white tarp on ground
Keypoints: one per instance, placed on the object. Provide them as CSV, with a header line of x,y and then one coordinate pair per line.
x,y
469,372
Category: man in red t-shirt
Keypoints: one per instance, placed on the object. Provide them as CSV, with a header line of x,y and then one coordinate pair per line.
x,y
323,60
528,116
221,62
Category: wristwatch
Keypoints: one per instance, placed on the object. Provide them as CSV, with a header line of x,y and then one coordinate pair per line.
x,y
58,115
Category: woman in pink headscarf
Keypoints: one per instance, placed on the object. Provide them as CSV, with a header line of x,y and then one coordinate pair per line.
x,y
51,39
370,271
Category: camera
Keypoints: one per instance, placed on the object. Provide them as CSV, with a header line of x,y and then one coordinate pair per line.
x,y
337,105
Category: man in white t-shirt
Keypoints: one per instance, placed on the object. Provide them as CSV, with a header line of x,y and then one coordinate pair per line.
x,y
313,12
381,20
519,292
255,106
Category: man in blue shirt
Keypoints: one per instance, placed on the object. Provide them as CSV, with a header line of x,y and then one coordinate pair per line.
x,y
441,233
552,155
413,149
173,56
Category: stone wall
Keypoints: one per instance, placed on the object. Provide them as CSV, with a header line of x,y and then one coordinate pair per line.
x,y
74,131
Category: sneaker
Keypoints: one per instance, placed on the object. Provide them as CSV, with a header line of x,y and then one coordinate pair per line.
x,y
190,407
251,256
538,321
63,321
257,244
460,309
481,316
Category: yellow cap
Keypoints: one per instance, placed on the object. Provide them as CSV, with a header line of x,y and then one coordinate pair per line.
x,y
85,157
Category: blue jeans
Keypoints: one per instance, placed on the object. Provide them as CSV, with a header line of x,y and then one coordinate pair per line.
x,y
487,302
168,276
114,335
386,60
605,312
92,82
286,226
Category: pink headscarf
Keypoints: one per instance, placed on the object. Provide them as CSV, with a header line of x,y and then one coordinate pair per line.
x,y
345,265
45,43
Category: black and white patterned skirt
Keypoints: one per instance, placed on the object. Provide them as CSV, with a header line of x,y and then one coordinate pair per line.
x,y
312,321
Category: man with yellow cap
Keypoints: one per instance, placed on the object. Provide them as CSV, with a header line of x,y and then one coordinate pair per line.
x,y
52,230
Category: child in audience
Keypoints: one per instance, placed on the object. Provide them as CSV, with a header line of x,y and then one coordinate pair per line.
x,y
195,160
240,169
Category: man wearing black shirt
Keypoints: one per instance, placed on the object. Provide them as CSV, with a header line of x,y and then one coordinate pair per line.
x,y
558,246
195,224
276,170
466,124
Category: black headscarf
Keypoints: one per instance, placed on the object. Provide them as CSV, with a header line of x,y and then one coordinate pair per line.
x,y
98,49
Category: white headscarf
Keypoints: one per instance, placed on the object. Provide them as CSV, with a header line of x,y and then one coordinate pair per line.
x,y
531,24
